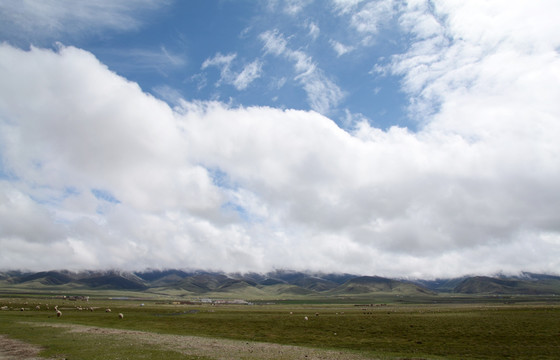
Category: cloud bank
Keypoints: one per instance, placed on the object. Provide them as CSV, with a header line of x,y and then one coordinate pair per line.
x,y
102,174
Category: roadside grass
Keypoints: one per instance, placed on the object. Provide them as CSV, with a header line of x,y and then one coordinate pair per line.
x,y
452,331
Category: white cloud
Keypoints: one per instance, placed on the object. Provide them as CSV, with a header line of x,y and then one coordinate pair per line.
x,y
322,93
339,48
92,137
274,42
367,18
372,14
314,30
223,62
249,73
345,6
293,7
453,58
239,80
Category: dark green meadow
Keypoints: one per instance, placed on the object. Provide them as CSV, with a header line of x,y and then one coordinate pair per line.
x,y
527,330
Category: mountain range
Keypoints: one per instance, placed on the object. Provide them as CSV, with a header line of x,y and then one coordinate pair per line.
x,y
281,284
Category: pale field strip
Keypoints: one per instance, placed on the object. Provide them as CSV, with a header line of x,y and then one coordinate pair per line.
x,y
12,349
219,349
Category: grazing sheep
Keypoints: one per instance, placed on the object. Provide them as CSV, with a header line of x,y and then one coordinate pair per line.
x,y
316,314
121,316
91,308
58,313
37,307
291,313
107,310
21,309
305,318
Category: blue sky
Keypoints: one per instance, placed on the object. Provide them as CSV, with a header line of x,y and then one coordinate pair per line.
x,y
166,53
396,138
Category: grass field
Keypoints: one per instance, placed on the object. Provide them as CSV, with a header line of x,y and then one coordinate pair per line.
x,y
529,330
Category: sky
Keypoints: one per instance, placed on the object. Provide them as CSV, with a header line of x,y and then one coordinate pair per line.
x,y
410,139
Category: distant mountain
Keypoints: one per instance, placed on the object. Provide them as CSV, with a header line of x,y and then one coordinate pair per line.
x,y
113,280
281,284
440,285
202,283
376,284
47,278
156,275
537,285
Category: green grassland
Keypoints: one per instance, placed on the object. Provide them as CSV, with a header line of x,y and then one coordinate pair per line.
x,y
472,328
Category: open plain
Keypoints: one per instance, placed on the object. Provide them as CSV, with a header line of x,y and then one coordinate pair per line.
x,y
475,328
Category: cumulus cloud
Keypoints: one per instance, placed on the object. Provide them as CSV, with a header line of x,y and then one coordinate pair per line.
x,y
109,176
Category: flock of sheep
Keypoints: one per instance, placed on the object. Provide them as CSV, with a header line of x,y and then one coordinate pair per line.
x,y
59,313
107,310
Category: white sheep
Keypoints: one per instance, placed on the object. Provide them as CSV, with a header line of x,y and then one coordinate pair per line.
x,y
107,310
121,316
305,318
58,313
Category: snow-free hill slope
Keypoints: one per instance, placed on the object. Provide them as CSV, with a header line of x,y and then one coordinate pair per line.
x,y
376,284
281,284
488,285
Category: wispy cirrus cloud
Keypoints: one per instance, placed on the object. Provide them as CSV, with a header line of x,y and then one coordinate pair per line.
x,y
223,62
322,93
339,48
290,7
314,30
240,80
141,60
249,73
39,21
